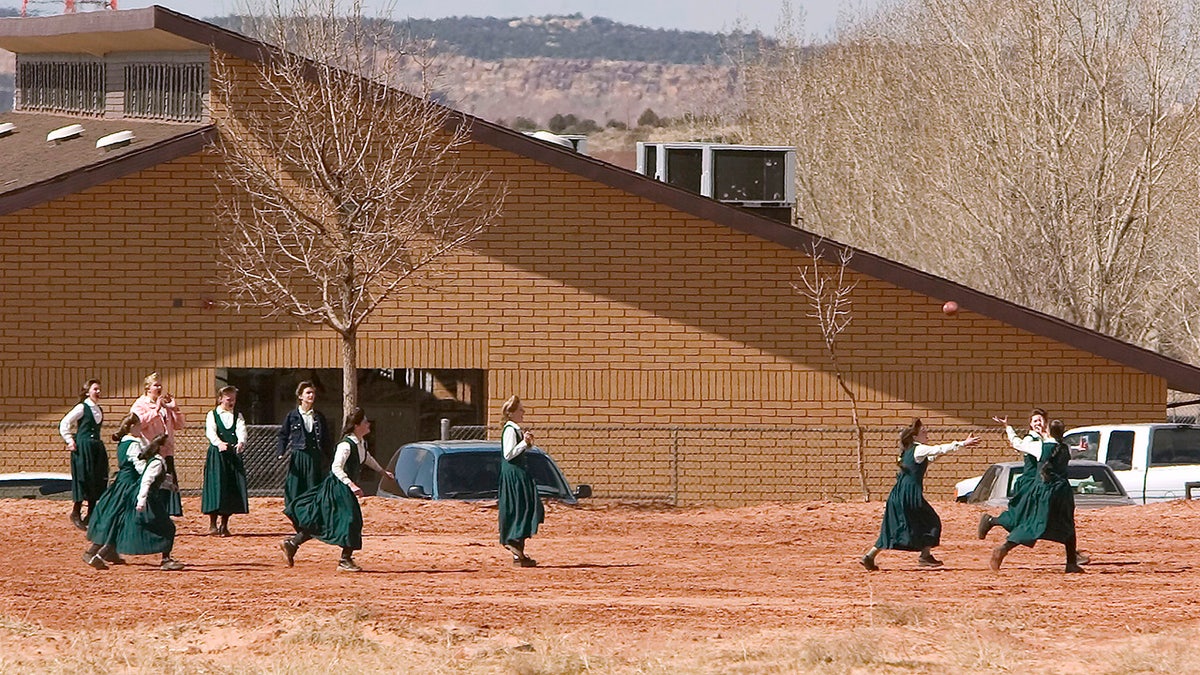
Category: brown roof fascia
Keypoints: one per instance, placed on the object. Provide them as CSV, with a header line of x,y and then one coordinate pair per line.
x,y
1177,374
92,175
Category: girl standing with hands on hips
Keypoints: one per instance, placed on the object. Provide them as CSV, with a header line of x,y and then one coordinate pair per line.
x,y
909,522
89,458
520,506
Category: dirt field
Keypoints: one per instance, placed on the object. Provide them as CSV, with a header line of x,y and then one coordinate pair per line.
x,y
620,588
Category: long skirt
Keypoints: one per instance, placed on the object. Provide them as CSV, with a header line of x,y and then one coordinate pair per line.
x,y
305,472
104,524
1049,515
909,522
224,491
330,512
521,509
89,470
146,532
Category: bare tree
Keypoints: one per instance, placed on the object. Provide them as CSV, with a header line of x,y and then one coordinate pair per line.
x,y
1042,150
340,190
830,306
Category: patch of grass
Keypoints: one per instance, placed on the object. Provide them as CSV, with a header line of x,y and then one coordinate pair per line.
x,y
1162,653
892,614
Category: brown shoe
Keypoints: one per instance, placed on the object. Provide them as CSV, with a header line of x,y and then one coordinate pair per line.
x,y
171,565
928,561
527,562
77,521
224,532
998,554
868,561
214,531
986,523
289,551
94,560
348,565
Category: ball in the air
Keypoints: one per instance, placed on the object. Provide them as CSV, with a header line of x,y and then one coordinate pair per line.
x,y
950,308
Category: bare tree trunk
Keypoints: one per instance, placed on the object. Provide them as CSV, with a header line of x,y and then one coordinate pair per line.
x,y
349,371
859,442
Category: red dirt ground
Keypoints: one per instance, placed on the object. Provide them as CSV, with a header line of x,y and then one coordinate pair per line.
x,y
620,572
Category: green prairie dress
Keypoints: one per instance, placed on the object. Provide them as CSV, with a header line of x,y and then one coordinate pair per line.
x,y
1050,513
520,507
151,530
89,460
224,492
306,470
1017,501
330,511
909,522
104,524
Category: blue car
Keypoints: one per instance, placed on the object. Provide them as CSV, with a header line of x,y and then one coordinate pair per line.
x,y
468,470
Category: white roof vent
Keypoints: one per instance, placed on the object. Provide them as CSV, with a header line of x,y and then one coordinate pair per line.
x,y
7,128
551,138
64,133
117,140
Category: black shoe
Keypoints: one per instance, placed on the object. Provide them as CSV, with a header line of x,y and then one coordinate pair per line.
x,y
94,560
77,521
213,531
289,551
171,565
224,531
516,552
110,556
1074,569
527,562
348,565
868,561
986,523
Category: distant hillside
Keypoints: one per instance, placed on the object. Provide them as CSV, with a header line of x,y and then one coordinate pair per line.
x,y
565,37
574,37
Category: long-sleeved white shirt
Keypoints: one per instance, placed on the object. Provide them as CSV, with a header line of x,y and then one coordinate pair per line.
x,y
342,453
133,450
1030,445
512,441
71,419
154,469
928,453
210,425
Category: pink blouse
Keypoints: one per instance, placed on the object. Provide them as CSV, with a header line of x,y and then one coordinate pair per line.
x,y
157,420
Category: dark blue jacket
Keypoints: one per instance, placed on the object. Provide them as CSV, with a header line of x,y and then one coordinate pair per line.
x,y
291,434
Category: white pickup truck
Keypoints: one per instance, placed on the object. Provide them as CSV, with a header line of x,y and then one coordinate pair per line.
x,y
1155,462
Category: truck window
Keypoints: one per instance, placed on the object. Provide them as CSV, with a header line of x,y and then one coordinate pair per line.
x,y
1083,445
1174,446
1120,450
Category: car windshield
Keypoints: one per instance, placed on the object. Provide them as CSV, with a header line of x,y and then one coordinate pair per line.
x,y
477,474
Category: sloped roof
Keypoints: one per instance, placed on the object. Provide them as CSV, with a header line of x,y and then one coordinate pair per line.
x,y
60,33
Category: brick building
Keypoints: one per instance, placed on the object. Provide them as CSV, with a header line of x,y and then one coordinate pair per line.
x,y
662,346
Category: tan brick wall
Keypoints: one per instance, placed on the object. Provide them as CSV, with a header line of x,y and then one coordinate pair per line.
x,y
594,305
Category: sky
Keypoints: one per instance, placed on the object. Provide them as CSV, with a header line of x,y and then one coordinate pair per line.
x,y
700,15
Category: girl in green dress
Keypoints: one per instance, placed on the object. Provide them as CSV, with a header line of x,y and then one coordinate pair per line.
x,y
105,524
304,439
224,492
1021,486
89,458
146,526
909,522
520,506
1050,513
330,511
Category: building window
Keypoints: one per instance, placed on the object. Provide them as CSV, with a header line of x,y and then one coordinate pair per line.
x,y
75,87
169,91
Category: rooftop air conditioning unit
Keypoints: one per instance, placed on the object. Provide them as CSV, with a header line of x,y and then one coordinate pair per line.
x,y
755,176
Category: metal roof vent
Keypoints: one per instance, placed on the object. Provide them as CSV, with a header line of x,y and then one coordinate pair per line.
x,y
7,128
113,141
64,133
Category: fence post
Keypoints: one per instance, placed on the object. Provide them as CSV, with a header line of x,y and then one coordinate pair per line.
x,y
675,467
445,428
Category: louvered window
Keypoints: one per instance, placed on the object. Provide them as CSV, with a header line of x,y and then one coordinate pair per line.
x,y
168,91
75,87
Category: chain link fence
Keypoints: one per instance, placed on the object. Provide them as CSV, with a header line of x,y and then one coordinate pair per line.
x,y
711,464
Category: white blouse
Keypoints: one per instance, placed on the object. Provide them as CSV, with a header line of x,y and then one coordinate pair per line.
x,y
343,453
512,441
210,425
928,453
72,418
